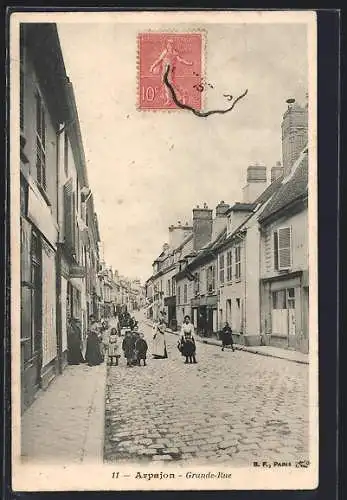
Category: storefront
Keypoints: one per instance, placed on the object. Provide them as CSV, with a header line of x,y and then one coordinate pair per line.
x,y
204,315
285,312
170,304
38,294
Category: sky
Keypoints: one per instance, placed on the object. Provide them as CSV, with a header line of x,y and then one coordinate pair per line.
x,y
147,170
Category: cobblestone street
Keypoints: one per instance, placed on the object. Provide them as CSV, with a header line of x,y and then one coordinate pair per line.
x,y
231,407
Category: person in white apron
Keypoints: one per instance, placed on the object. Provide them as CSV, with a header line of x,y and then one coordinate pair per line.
x,y
159,350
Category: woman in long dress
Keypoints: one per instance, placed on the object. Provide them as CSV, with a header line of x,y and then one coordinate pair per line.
x,y
93,353
159,350
187,341
74,353
128,346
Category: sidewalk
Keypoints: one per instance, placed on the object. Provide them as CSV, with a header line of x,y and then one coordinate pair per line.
x,y
273,352
66,422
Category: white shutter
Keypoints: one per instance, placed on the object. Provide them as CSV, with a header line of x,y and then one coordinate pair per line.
x,y
284,248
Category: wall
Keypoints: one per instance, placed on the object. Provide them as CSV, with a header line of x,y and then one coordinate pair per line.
x,y
299,225
30,89
252,272
184,307
285,280
235,219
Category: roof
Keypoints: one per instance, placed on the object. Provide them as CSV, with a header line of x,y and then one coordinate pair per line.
x,y
269,191
207,250
263,198
291,189
242,207
186,240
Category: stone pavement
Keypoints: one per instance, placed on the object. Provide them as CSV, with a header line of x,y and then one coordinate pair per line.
x,y
66,422
230,407
273,352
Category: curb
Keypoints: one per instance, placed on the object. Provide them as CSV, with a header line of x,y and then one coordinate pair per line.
x,y
240,347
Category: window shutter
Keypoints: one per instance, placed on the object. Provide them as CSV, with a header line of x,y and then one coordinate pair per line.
x,y
276,250
284,248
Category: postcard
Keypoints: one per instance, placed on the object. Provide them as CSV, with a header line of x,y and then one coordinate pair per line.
x,y
164,250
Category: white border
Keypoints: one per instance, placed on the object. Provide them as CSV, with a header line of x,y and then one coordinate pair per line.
x,y
31,477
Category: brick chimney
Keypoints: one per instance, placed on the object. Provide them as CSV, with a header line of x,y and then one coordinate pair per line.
x,y
202,226
276,171
221,219
294,134
256,182
178,233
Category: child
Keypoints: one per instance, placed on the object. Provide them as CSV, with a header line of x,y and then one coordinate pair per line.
x,y
113,347
141,348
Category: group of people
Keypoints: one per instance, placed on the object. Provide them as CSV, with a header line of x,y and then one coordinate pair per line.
x,y
186,344
135,347
97,340
105,338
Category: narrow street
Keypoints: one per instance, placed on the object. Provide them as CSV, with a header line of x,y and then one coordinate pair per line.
x,y
232,407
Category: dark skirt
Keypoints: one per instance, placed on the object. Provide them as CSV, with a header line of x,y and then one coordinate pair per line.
x,y
188,348
74,353
93,353
227,339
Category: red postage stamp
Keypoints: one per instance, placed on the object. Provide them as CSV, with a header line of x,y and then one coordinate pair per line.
x,y
182,52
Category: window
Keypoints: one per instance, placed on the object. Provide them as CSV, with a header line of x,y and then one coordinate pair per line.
x,y
237,262
40,143
168,288
185,295
283,249
229,265
221,269
197,283
211,278
173,286
279,299
66,154
178,295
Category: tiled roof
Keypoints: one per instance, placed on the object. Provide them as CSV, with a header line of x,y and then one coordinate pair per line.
x,y
242,207
290,190
268,192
